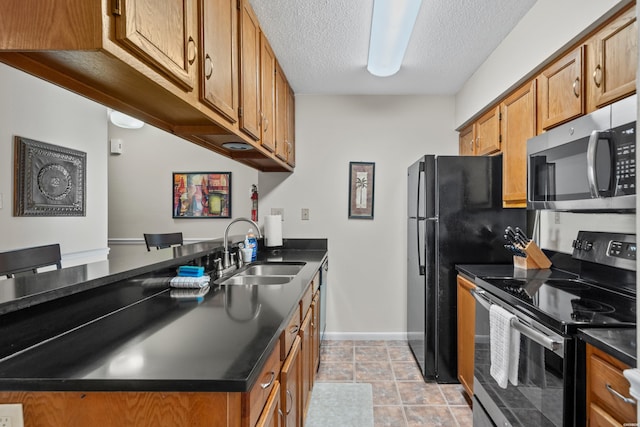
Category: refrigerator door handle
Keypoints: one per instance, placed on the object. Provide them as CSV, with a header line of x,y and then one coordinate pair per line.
x,y
421,252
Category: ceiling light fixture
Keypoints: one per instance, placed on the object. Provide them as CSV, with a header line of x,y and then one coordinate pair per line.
x,y
122,120
391,28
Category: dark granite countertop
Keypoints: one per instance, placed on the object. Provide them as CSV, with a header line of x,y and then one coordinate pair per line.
x,y
619,342
120,334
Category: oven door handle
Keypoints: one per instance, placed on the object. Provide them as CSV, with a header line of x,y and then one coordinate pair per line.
x,y
538,337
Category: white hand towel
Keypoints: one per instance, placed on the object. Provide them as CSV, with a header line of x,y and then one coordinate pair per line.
x,y
190,282
500,337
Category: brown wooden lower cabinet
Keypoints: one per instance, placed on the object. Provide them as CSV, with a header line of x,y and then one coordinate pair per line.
x,y
607,389
117,409
291,392
466,327
306,355
271,414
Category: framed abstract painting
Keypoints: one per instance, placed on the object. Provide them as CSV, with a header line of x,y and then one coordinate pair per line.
x,y
202,195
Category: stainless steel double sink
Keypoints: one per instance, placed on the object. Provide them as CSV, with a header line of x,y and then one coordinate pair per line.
x,y
265,273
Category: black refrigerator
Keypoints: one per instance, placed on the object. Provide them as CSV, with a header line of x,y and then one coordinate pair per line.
x,y
455,216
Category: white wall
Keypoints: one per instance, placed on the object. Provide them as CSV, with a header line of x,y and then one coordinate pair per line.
x,y
34,109
367,258
141,190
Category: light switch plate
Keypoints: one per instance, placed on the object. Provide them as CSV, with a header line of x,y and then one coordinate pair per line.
x,y
304,214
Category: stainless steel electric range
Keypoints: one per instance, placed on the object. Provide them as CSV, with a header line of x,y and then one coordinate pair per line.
x,y
595,289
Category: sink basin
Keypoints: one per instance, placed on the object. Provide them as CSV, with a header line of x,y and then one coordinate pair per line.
x,y
274,269
242,279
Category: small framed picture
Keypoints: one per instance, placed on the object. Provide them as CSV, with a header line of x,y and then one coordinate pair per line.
x,y
202,195
361,189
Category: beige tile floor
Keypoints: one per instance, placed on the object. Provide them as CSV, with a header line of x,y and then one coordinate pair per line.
x,y
401,398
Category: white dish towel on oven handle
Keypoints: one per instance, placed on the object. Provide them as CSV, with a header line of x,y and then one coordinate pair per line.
x,y
504,346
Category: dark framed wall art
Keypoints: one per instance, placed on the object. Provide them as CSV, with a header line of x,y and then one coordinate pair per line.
x,y
202,194
361,189
49,180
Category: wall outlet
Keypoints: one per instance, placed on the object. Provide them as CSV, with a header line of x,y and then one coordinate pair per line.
x,y
304,214
11,415
278,211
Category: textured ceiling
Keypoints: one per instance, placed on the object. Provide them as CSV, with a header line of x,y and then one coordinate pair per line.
x,y
322,45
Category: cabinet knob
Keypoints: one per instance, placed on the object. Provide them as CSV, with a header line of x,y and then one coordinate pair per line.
x,y
208,65
597,76
576,87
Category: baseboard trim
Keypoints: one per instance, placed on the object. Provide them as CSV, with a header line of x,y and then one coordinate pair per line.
x,y
368,336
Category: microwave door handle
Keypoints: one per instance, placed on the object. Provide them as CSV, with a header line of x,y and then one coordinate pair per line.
x,y
592,148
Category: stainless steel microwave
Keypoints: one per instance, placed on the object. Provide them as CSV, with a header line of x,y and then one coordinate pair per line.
x,y
588,164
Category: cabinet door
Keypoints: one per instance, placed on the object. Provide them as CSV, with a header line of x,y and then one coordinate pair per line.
x,y
561,90
466,327
291,128
282,95
598,417
488,132
268,89
518,124
290,392
218,56
249,71
315,326
612,59
162,33
305,365
466,141
270,416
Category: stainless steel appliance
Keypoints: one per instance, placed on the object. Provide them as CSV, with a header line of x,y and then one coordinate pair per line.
x,y
595,288
587,164
455,216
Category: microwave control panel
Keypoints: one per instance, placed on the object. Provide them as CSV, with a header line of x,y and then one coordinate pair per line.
x,y
625,159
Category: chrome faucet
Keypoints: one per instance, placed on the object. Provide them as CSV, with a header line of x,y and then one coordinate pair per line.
x,y
226,264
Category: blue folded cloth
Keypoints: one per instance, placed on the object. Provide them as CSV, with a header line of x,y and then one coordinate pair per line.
x,y
190,271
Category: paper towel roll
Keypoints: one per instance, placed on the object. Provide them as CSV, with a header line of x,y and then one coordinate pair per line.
x,y
273,230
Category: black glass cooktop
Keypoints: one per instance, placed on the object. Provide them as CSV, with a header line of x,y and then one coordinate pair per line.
x,y
566,304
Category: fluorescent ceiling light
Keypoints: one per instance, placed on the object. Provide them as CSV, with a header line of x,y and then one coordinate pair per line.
x,y
122,120
391,28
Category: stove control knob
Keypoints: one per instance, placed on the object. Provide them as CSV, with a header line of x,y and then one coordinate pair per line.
x,y
576,244
587,246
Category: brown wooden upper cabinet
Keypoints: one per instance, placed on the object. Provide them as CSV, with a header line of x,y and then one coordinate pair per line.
x,y
467,141
487,132
518,124
282,94
268,89
291,128
249,71
168,43
561,94
219,56
612,58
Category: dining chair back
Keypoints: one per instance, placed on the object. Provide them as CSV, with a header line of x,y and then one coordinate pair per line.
x,y
162,240
29,259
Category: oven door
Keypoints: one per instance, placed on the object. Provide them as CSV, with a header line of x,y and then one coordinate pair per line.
x,y
544,381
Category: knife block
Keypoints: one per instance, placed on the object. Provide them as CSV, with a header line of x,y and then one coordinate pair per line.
x,y
535,259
